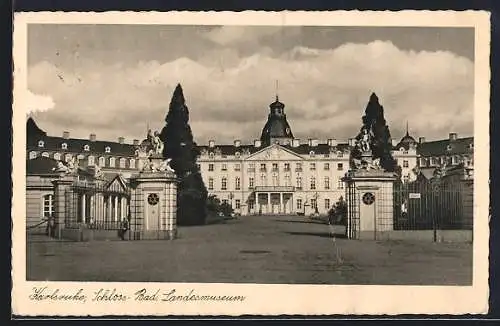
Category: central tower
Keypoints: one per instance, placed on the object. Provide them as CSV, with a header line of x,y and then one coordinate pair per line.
x,y
276,130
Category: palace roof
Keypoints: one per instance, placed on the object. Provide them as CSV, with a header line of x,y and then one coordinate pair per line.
x,y
446,147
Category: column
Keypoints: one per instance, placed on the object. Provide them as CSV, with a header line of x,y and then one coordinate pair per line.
x,y
84,207
123,209
256,203
282,205
268,202
92,209
116,208
108,219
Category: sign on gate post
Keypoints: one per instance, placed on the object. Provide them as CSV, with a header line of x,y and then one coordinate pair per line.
x,y
414,195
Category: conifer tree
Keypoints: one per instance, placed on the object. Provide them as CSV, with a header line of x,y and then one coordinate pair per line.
x,y
380,143
181,148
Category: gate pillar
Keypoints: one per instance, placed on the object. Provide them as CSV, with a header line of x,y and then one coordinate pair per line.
x,y
153,203
370,203
62,202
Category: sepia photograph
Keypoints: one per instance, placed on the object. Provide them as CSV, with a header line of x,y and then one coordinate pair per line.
x,y
247,152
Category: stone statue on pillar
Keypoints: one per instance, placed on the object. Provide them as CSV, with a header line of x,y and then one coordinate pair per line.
x,y
150,154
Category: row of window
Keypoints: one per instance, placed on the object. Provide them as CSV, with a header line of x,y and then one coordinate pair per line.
x,y
300,204
311,154
91,160
275,183
450,160
275,167
86,147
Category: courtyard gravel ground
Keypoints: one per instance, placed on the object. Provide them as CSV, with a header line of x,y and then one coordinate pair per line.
x,y
253,249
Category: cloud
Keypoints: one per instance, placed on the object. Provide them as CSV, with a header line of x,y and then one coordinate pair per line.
x,y
325,92
37,103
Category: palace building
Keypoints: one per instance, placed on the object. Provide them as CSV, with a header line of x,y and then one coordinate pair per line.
x,y
276,174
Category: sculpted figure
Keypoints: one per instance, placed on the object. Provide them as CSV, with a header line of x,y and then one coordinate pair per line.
x,y
60,167
365,141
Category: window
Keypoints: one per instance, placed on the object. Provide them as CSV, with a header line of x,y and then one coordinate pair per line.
x,y
263,167
275,180
210,167
45,154
327,203
406,178
237,183
275,167
327,183
80,157
41,143
311,153
299,183
340,166
224,167
132,164
340,154
326,155
313,183
237,154
405,163
326,166
64,146
68,157
237,167
224,184
86,148
298,167
237,204
263,180
312,166
299,203
211,155
287,166
90,160
32,155
405,152
250,183
287,181
210,183
340,184
251,204
57,156
122,163
112,162
314,203
423,163
107,149
448,148
102,161
48,205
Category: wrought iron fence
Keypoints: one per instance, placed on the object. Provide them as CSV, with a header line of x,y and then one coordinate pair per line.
x,y
433,205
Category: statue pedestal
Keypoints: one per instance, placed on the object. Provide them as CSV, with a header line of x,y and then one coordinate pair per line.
x,y
369,195
153,206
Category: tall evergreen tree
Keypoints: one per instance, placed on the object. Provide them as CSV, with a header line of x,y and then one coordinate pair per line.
x,y
380,143
181,148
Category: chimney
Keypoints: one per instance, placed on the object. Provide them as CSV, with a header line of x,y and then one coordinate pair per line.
x,y
257,143
66,134
211,143
296,142
92,137
237,143
352,142
453,136
136,142
121,140
332,142
421,140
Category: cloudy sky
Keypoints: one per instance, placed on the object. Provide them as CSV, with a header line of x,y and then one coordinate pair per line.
x,y
113,80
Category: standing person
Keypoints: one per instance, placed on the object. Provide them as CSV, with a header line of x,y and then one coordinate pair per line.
x,y
124,228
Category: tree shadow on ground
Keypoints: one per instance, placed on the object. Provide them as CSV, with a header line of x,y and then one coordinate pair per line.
x,y
318,234
299,221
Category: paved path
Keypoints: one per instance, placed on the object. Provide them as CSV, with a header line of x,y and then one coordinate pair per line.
x,y
261,249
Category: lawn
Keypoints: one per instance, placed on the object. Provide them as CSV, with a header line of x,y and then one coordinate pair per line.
x,y
256,249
